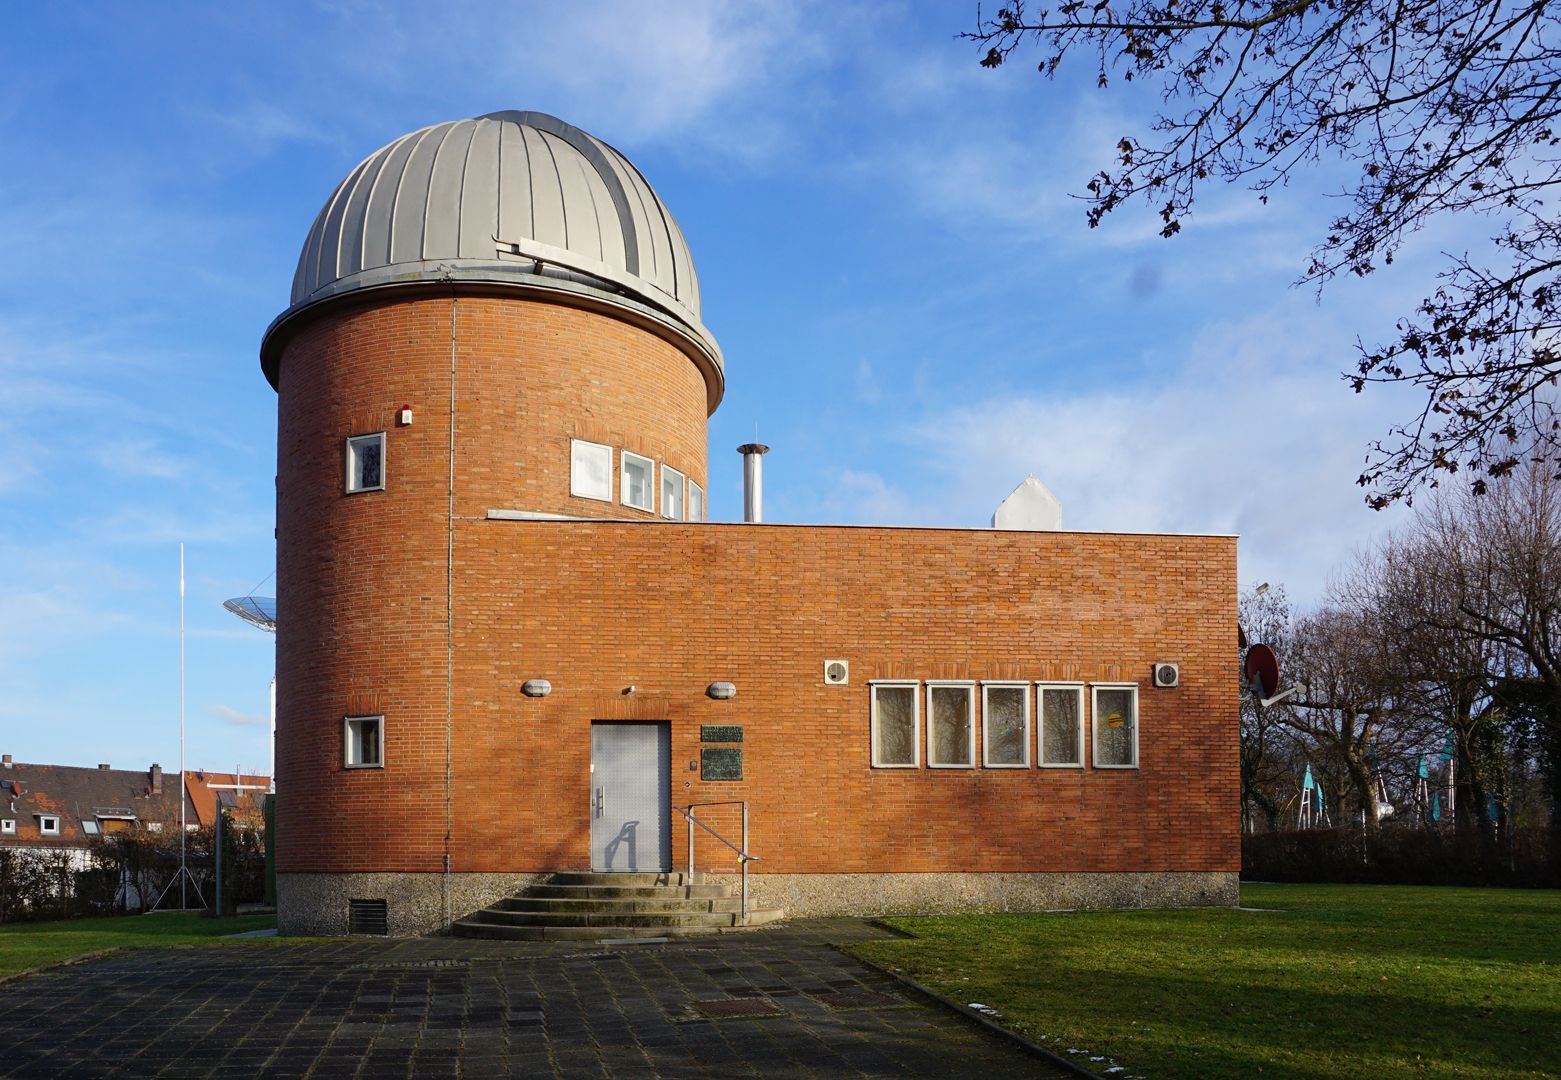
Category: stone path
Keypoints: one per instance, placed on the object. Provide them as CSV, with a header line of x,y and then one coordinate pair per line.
x,y
777,1002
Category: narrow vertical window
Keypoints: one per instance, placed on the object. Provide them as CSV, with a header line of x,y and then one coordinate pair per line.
x,y
590,470
1115,711
951,725
671,493
1005,725
896,726
696,502
1062,726
639,482
365,742
366,463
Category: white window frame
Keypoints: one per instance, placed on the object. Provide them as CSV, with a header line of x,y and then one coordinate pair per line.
x,y
1040,726
1094,712
8,827
970,704
575,487
695,492
91,828
623,481
353,441
986,756
681,482
154,826
48,825
346,746
914,686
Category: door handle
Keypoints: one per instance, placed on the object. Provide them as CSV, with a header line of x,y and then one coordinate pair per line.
x,y
601,803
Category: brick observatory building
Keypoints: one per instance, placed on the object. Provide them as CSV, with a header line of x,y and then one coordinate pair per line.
x,y
509,643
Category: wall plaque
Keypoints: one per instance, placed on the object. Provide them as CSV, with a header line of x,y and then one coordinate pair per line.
x,y
720,733
721,763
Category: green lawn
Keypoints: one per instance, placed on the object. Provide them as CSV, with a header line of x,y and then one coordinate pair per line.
x,y
30,945
1345,981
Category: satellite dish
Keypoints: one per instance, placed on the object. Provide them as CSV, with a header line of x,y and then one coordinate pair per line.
x,y
1262,669
256,610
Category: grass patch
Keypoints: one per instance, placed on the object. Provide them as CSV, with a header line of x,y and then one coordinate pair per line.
x,y
28,945
1346,981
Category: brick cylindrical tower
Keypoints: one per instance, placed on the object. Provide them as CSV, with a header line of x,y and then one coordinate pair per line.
x,y
490,317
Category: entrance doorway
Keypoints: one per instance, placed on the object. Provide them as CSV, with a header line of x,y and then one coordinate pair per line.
x,y
631,796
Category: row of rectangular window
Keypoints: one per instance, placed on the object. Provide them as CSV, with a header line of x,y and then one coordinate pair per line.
x,y
48,825
591,476
1004,726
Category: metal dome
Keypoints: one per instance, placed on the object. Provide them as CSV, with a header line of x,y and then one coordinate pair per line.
x,y
510,198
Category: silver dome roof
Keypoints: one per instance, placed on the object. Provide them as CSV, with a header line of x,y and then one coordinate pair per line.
x,y
508,198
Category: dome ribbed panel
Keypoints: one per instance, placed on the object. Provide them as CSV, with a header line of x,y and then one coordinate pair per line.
x,y
444,194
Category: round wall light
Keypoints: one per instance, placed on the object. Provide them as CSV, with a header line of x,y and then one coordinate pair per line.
x,y
721,691
536,688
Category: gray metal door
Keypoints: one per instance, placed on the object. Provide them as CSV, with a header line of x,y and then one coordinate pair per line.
x,y
631,795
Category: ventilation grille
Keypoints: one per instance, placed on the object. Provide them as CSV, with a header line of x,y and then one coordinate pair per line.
x,y
367,917
1167,675
837,672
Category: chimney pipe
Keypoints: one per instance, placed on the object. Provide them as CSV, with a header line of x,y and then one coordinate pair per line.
x,y
104,768
157,779
6,761
753,481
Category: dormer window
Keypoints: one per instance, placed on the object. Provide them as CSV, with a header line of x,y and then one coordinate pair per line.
x,y
366,463
48,825
8,827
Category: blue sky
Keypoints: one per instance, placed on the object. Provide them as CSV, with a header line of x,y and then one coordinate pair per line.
x,y
912,309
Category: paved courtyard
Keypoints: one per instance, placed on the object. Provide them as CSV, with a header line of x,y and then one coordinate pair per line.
x,y
776,1002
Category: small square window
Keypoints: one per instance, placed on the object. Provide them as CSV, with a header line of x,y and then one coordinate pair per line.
x,y
696,502
1005,725
1062,726
366,463
590,470
365,736
639,482
1116,726
154,826
951,725
671,493
48,825
896,727
8,827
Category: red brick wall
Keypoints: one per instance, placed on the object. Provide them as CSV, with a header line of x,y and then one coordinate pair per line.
x,y
597,606
361,579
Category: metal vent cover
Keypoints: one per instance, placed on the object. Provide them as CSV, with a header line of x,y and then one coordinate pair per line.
x,y
367,917
837,672
1167,675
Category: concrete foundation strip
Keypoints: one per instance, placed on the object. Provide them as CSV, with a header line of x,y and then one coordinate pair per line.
x,y
1071,1067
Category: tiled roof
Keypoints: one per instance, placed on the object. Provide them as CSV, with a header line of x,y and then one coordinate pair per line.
x,y
208,789
76,795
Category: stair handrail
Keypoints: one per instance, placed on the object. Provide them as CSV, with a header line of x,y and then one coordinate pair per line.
x,y
743,858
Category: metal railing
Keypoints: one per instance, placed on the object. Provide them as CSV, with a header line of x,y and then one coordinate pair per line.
x,y
743,858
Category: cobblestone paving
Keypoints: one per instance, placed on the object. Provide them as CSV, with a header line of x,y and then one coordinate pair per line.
x,y
775,1002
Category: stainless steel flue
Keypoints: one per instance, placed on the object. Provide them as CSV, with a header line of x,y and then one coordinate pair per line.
x,y
753,481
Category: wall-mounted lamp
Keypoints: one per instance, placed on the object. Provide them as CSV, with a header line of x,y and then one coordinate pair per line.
x,y
404,416
536,688
721,691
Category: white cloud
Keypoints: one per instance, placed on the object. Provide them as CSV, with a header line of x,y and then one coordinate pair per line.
x,y
235,717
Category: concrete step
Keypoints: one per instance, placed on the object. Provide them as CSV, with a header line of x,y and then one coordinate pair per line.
x,y
606,918
620,904
629,892
591,877
467,928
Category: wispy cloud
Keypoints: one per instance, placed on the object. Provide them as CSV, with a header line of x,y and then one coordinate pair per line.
x,y
233,716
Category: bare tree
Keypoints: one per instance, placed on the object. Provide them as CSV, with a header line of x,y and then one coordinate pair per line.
x,y
1443,106
1266,746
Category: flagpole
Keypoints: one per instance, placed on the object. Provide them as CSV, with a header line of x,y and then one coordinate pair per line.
x,y
183,833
